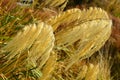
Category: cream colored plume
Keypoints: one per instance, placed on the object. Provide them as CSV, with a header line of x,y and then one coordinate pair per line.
x,y
76,22
99,32
89,29
29,49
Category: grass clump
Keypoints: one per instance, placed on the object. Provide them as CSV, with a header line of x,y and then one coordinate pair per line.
x,y
52,43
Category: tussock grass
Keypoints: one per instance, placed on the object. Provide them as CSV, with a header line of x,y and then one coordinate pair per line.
x,y
52,44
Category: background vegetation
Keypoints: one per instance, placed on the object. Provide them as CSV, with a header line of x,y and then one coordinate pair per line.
x,y
102,65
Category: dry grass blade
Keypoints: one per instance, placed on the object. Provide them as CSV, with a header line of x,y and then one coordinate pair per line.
x,y
54,3
49,67
2,77
26,50
82,73
92,72
105,67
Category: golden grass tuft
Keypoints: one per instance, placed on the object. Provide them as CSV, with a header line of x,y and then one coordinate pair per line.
x,y
78,28
55,45
28,50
